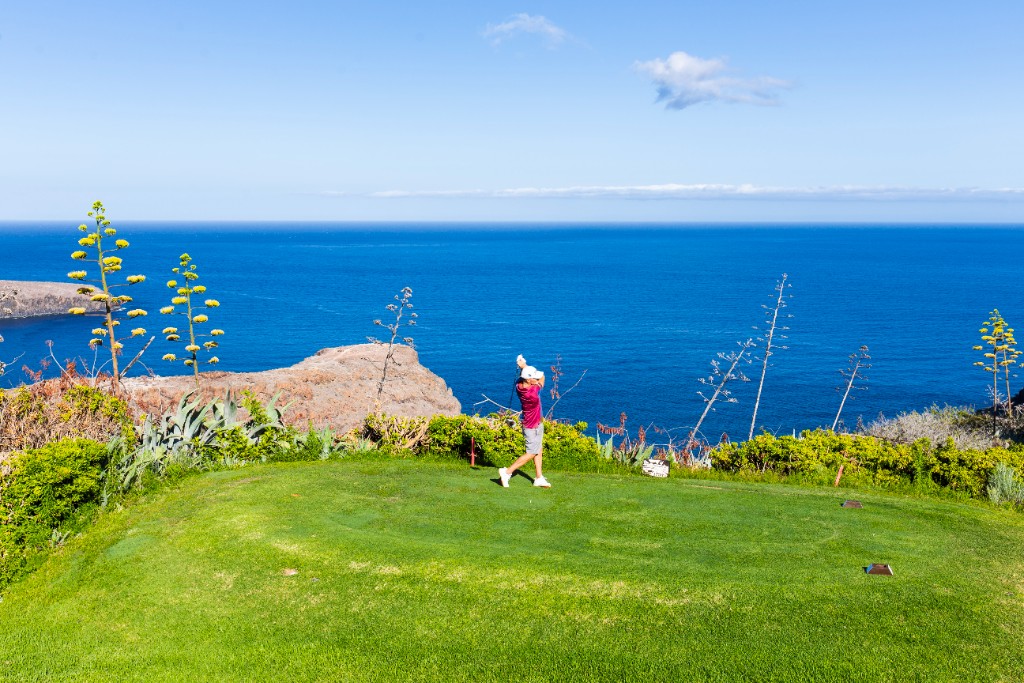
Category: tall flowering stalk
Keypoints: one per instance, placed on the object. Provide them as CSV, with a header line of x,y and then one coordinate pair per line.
x,y
398,310
1002,354
187,295
108,264
773,332
719,378
854,372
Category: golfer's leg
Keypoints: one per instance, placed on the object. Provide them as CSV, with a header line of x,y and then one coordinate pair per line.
x,y
536,463
520,461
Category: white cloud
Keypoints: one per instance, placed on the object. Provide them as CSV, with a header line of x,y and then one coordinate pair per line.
x,y
716,191
528,24
683,80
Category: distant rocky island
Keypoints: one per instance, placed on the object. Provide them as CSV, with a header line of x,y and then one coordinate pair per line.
x,y
25,299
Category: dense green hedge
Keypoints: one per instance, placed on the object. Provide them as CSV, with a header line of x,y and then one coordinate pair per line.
x,y
41,491
818,454
499,441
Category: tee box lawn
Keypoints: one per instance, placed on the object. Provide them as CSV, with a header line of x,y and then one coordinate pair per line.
x,y
385,570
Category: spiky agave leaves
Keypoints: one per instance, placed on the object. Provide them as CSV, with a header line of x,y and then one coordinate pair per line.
x,y
183,435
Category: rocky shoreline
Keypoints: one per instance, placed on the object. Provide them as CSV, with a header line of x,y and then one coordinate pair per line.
x,y
26,299
336,387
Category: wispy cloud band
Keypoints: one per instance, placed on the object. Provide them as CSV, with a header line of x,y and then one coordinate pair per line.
x,y
526,24
683,80
670,191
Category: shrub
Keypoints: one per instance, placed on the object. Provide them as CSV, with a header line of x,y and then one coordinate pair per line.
x,y
566,447
31,417
41,491
969,470
967,428
1003,486
498,441
817,455
392,432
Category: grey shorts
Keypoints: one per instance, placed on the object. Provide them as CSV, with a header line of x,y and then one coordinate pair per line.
x,y
534,439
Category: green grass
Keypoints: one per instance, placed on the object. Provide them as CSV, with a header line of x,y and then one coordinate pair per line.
x,y
424,571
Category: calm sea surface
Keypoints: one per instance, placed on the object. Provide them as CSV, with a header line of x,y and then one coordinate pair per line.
x,y
642,310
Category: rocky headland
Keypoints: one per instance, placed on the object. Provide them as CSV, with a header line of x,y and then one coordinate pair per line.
x,y
23,299
336,387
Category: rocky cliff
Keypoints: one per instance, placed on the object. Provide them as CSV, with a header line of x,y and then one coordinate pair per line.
x,y
21,299
337,387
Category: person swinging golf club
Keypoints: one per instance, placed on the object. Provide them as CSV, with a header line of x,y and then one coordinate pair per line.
x,y
528,386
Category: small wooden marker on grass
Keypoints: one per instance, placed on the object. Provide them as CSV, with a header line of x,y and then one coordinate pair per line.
x,y
878,569
851,504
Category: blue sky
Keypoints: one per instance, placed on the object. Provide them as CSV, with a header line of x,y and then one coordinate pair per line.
x,y
495,111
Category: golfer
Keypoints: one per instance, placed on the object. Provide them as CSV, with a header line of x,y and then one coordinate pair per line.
x,y
531,381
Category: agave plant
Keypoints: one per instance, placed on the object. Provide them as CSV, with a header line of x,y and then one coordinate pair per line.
x,y
185,435
606,448
629,452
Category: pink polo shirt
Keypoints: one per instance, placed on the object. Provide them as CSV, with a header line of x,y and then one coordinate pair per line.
x,y
529,397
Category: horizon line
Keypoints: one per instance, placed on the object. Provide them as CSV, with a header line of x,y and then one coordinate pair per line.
x,y
4,222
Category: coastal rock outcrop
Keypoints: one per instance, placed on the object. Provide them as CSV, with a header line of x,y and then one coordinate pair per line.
x,y
337,387
24,299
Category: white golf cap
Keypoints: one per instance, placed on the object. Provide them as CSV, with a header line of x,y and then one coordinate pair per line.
x,y
530,372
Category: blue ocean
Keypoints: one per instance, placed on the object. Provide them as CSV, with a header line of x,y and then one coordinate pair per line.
x,y
641,310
